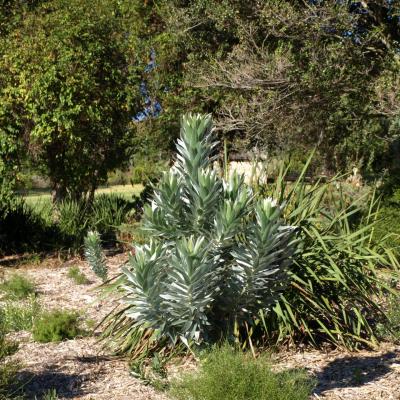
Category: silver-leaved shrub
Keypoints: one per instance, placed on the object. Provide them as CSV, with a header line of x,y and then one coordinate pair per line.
x,y
217,255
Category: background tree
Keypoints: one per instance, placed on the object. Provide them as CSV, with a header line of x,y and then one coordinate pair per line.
x,y
283,76
65,81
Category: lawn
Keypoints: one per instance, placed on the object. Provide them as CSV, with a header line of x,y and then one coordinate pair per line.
x,y
42,197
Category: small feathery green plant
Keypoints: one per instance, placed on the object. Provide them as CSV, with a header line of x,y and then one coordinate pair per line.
x,y
56,325
20,316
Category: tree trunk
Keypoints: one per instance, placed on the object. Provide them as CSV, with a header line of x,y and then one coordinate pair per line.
x,y
58,193
90,197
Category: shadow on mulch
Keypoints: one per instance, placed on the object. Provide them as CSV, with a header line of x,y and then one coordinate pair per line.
x,y
354,371
93,359
35,385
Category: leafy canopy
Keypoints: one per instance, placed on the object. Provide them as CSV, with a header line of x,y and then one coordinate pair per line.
x,y
63,92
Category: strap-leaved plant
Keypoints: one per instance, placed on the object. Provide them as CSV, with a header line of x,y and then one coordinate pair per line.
x,y
217,256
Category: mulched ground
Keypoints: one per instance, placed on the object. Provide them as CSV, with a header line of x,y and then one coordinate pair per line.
x,y
82,369
365,375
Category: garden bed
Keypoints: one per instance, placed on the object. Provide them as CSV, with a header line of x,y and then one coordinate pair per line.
x,y
81,369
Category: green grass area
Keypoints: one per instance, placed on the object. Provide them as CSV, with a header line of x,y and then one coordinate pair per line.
x,y
42,197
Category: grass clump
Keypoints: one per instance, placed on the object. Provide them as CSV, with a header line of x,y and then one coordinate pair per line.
x,y
20,316
77,276
18,287
390,329
227,374
8,369
55,326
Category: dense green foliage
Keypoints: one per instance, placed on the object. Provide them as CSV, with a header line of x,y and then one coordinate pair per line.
x,y
64,92
335,282
280,76
44,228
227,374
18,287
389,221
56,326
284,76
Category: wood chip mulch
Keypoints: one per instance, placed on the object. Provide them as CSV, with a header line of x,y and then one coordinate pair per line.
x,y
82,369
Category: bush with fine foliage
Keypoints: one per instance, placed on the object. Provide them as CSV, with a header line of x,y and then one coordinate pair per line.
x,y
226,374
8,368
56,326
20,316
77,276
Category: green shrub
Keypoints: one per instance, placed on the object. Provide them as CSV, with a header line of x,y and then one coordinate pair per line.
x,y
56,326
77,276
18,316
226,374
95,256
109,211
18,287
390,329
394,316
216,256
147,170
388,224
73,222
6,347
335,280
23,229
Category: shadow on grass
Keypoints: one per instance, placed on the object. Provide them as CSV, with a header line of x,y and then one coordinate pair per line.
x,y
354,371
